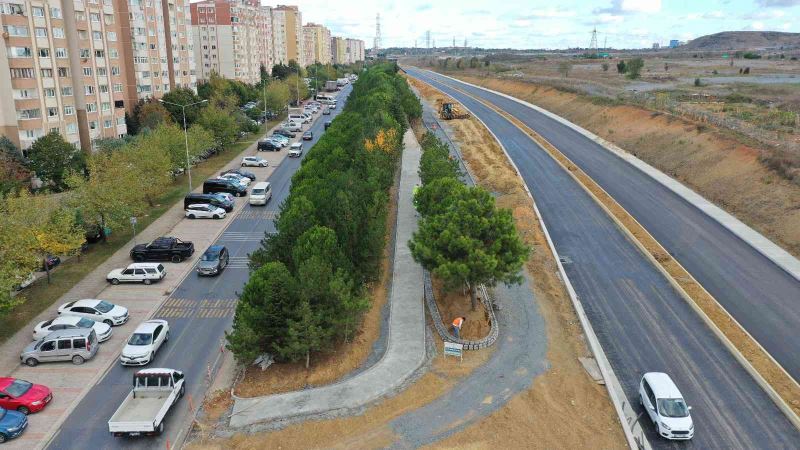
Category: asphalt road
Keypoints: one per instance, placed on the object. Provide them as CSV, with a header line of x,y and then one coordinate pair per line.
x,y
762,297
642,323
199,311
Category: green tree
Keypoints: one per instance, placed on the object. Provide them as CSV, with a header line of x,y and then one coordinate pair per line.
x,y
221,123
564,68
296,85
304,334
471,243
634,68
152,160
151,114
182,96
52,159
277,96
622,67
281,71
13,173
438,195
604,66
262,70
435,161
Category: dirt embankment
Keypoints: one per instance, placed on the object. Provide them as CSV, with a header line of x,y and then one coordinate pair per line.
x,y
564,408
711,162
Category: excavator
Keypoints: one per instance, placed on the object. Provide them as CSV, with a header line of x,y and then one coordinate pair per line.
x,y
451,111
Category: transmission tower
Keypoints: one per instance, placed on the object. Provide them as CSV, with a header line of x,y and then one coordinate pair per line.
x,y
454,42
377,43
593,44
465,42
428,40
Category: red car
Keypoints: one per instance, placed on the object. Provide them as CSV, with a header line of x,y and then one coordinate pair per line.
x,y
23,396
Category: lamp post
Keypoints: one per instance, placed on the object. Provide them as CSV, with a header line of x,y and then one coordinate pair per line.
x,y
185,135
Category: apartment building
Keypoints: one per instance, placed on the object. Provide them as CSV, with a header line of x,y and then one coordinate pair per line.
x,y
355,50
347,51
232,38
287,35
60,62
317,42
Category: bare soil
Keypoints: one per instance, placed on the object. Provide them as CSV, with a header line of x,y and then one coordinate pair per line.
x,y
457,303
345,357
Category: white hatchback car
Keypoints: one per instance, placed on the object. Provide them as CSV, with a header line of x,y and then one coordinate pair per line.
x,y
665,405
97,310
144,343
42,329
295,150
137,273
204,211
254,161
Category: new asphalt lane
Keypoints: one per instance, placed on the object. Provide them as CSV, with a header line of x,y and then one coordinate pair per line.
x,y
199,311
642,323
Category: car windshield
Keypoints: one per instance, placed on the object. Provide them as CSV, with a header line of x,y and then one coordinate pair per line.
x,y
257,191
140,339
672,407
18,388
104,306
210,256
85,323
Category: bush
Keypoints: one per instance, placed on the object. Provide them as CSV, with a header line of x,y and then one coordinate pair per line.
x,y
697,82
634,68
621,67
751,55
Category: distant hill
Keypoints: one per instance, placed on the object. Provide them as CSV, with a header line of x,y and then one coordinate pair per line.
x,y
744,40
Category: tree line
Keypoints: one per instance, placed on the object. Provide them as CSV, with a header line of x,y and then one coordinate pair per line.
x,y
463,238
308,282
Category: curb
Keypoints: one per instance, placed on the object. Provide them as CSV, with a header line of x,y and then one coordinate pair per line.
x,y
756,240
625,414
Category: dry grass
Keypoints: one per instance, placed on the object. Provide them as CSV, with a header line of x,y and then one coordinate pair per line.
x,y
457,304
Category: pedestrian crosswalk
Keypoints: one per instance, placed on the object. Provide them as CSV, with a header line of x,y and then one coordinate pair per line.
x,y
258,214
238,262
241,236
202,309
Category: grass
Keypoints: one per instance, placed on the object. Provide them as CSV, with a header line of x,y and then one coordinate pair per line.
x,y
40,295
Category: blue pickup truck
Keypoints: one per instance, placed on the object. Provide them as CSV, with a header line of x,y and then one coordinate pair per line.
x,y
12,424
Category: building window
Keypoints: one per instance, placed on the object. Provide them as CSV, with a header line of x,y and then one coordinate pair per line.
x,y
40,32
101,71
25,114
52,112
13,9
94,17
117,87
72,128
112,36
83,34
114,70
44,52
91,107
80,16
87,71
49,92
89,89
113,53
103,88
105,106
109,18
92,124
15,30
63,72
69,110
66,91
19,52
61,53
47,73
120,121
55,13
97,35
99,53
54,130
107,123
24,94
37,11
22,73
58,33
85,53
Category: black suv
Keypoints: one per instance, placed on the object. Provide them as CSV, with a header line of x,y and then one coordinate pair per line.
x,y
267,146
221,185
282,132
211,199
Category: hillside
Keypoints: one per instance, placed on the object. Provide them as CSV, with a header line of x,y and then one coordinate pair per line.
x,y
744,40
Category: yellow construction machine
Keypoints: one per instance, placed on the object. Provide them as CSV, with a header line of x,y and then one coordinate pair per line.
x,y
451,111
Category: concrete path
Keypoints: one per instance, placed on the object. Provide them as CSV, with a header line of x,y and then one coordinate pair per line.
x,y
406,349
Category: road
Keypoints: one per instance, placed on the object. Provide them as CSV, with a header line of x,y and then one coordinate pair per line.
x,y
642,323
199,311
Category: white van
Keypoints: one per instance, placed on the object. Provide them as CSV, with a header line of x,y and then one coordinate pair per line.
x,y
261,193
665,405
298,118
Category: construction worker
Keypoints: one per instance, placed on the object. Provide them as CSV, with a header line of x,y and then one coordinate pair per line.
x,y
457,323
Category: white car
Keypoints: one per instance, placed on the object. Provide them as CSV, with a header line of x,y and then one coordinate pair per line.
x,y
144,343
244,181
137,273
280,143
97,310
294,127
664,404
102,330
281,138
204,211
295,150
254,161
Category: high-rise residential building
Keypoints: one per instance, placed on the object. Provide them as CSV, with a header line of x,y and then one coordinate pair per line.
x,y
338,50
287,35
355,49
347,51
232,38
60,61
317,43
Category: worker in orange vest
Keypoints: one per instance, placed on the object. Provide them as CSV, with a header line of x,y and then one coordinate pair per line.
x,y
457,323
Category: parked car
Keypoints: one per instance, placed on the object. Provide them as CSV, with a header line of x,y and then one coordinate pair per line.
x,y
23,396
283,132
242,172
224,196
280,143
261,193
254,161
664,404
328,124
219,200
77,345
283,140
12,424
49,263
296,150
145,273
68,322
332,105
215,185
145,341
213,260
245,181
265,145
201,211
98,310
308,135
143,411
294,127
163,249
326,112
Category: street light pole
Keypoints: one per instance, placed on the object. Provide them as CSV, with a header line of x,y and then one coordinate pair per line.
x,y
185,135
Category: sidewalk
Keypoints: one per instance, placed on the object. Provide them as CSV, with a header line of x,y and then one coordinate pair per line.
x,y
406,349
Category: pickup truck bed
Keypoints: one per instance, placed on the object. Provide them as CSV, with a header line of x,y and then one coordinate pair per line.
x,y
143,409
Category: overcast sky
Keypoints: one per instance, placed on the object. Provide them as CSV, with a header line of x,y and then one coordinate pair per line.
x,y
547,24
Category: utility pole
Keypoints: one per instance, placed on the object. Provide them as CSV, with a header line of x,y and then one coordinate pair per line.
x,y
454,42
593,43
186,136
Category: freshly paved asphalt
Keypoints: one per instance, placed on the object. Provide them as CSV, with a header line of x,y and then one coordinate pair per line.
x,y
199,311
642,323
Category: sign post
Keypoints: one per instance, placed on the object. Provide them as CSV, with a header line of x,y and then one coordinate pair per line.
x,y
133,224
454,349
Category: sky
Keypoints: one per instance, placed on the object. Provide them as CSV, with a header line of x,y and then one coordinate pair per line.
x,y
546,24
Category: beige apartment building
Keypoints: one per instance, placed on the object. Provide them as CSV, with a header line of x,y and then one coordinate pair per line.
x,y
61,65
287,35
232,38
347,51
317,42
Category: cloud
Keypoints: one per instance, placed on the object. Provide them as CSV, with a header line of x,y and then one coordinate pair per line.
x,y
777,3
712,15
636,6
424,7
758,26
548,13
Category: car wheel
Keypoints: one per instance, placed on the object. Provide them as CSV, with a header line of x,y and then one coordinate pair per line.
x,y
147,281
108,322
239,194
31,362
24,410
160,428
242,164
176,258
2,438
216,216
183,390
78,360
191,216
166,337
152,356
114,281
641,402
